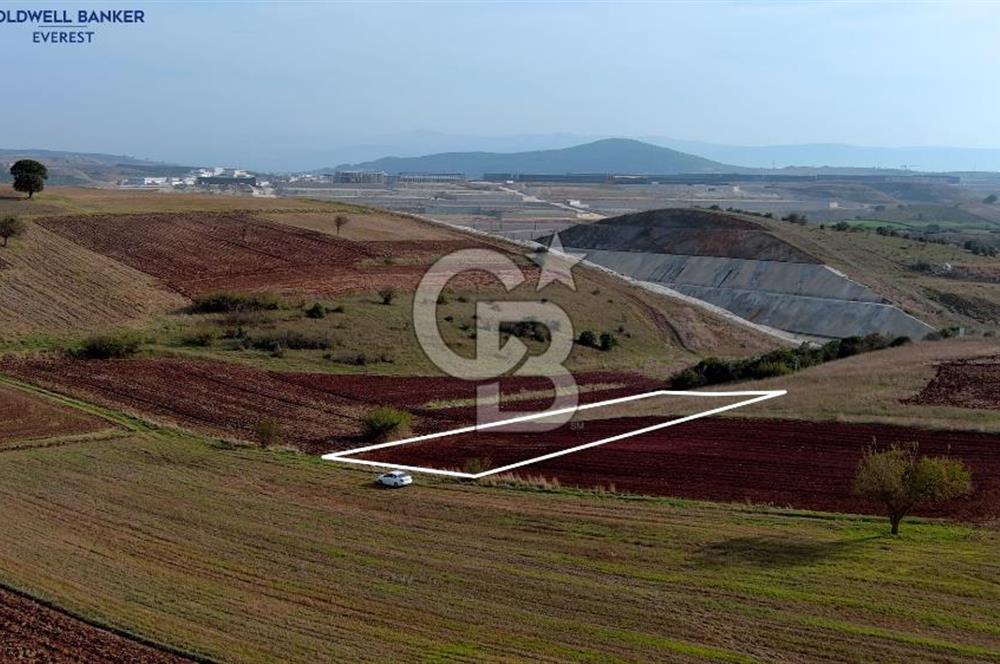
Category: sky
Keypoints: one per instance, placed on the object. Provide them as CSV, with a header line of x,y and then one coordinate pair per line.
x,y
290,84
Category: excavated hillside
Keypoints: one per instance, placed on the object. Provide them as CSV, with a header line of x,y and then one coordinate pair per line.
x,y
740,266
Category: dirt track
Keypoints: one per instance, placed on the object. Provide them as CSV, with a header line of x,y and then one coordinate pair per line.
x,y
32,632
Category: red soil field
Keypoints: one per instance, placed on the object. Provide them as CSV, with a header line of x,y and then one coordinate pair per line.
x,y
806,465
199,253
32,632
318,412
25,417
966,384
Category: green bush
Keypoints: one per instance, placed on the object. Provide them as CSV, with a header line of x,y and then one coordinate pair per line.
x,y
225,303
608,341
587,338
268,433
713,371
316,311
291,340
111,346
384,423
199,339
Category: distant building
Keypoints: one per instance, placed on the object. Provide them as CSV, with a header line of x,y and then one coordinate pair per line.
x,y
227,180
359,177
431,177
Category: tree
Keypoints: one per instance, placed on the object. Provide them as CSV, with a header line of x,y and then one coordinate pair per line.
x,y
990,200
901,480
29,176
11,227
340,221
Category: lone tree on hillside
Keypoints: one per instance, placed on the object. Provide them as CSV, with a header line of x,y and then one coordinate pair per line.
x,y
29,176
11,227
901,480
340,221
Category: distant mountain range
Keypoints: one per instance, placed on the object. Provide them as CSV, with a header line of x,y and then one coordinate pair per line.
x,y
611,155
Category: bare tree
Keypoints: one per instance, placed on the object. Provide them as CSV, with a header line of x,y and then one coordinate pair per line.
x,y
901,480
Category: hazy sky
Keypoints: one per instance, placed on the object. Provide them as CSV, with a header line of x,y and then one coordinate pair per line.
x,y
216,82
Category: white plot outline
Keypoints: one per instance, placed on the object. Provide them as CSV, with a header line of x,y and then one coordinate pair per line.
x,y
757,395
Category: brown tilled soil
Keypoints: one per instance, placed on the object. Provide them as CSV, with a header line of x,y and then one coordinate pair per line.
x,y
32,632
966,384
317,412
806,465
26,417
198,253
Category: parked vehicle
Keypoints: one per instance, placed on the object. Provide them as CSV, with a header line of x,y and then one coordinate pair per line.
x,y
396,478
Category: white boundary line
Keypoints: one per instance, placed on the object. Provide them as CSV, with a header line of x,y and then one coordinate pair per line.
x,y
757,395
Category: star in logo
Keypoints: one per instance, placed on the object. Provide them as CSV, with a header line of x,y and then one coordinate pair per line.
x,y
556,264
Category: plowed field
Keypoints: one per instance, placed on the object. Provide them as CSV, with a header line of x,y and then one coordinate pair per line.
x,y
317,412
25,417
198,253
784,463
31,632
966,384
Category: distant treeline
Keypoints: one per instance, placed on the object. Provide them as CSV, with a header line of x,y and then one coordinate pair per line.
x,y
714,371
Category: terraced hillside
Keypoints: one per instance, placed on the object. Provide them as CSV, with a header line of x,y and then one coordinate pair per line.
x,y
740,266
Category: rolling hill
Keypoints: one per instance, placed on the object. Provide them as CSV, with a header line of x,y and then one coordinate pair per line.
x,y
613,155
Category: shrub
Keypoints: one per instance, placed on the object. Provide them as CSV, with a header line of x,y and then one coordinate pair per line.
x,y
476,465
222,303
901,480
268,433
527,330
199,339
587,338
111,346
384,423
608,341
317,311
291,340
387,295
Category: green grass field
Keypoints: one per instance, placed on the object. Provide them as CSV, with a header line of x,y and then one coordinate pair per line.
x,y
247,555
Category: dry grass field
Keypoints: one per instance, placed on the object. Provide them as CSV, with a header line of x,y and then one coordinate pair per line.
x,y
253,556
49,285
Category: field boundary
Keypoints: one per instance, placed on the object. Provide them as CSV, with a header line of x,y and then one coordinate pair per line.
x,y
756,396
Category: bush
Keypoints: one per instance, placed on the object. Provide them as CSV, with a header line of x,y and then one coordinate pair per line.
x,y
111,346
527,330
384,423
476,465
608,341
316,311
291,340
199,339
269,433
713,371
587,338
225,303
387,295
